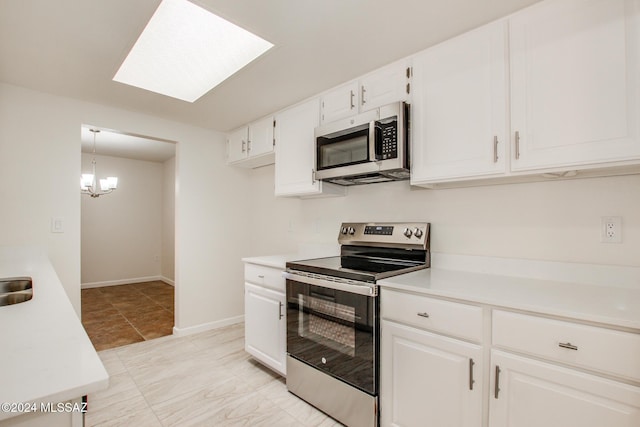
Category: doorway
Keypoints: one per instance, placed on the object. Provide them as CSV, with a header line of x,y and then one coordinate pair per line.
x,y
127,239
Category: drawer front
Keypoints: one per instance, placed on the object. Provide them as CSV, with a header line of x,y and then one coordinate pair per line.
x,y
449,318
264,276
606,350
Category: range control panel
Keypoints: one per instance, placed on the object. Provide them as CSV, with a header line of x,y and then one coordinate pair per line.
x,y
413,235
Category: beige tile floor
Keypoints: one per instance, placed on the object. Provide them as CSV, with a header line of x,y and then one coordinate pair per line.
x,y
205,379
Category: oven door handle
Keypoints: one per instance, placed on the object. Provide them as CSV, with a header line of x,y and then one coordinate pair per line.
x,y
366,289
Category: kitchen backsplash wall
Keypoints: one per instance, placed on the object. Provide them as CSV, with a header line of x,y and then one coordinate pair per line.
x,y
553,220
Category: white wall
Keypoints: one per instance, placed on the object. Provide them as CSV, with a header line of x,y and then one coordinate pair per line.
x,y
168,220
121,233
558,220
39,178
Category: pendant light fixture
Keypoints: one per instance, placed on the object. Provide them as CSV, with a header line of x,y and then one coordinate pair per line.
x,y
88,182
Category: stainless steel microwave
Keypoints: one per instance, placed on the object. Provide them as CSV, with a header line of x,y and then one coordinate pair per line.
x,y
366,148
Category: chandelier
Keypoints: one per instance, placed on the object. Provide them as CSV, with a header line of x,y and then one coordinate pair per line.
x,y
88,182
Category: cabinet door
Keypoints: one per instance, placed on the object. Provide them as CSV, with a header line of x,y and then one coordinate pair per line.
x,y
574,83
340,103
459,107
428,380
237,145
266,326
532,393
384,86
261,137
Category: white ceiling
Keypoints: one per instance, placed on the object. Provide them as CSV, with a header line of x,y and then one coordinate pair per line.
x,y
116,144
74,47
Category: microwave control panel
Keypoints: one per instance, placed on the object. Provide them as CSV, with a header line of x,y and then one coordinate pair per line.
x,y
387,141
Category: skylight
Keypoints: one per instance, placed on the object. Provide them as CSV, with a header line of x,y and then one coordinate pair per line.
x,y
185,51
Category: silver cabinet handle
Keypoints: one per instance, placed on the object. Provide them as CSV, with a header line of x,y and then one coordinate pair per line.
x,y
517,145
496,388
362,91
244,144
471,381
495,149
423,315
568,346
313,176
280,315
248,145
261,276
352,95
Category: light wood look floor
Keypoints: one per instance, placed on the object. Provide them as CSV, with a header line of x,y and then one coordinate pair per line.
x,y
205,379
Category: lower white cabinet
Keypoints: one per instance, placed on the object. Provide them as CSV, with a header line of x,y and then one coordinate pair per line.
x,y
265,317
529,393
526,370
429,379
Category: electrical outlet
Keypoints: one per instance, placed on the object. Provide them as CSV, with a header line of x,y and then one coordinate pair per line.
x,y
611,229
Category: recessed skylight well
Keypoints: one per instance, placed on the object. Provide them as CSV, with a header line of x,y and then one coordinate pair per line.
x,y
185,51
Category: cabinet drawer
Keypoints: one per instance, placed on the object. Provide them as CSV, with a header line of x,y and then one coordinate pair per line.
x,y
591,347
450,318
264,276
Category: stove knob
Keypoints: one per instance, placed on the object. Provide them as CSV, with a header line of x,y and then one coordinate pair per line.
x,y
418,233
344,230
408,232
352,231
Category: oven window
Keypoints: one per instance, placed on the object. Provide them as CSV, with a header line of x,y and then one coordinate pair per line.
x,y
343,150
330,323
335,331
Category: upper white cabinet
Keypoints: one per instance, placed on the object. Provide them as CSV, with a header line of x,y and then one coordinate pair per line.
x,y
340,102
295,144
566,88
459,107
252,146
574,83
383,86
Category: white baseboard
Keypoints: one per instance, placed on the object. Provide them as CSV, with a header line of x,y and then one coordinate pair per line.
x,y
126,282
180,332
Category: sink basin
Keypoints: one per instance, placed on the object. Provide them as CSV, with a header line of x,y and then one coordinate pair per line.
x,y
14,290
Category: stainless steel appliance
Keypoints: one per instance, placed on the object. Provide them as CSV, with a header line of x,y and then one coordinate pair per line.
x,y
367,148
332,317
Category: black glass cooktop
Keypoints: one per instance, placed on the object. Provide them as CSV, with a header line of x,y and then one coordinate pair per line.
x,y
364,263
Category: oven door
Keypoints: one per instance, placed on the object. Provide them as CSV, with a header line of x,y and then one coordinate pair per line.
x,y
333,327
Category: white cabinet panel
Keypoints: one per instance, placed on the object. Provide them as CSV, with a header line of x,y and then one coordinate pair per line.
x,y
265,326
340,102
459,107
384,86
261,137
237,144
428,380
251,146
295,145
612,352
532,394
574,83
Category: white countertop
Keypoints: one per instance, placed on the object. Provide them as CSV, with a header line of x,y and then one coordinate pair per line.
x,y
305,251
610,305
45,355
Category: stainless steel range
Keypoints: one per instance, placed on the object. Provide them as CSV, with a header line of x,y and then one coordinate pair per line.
x,y
332,317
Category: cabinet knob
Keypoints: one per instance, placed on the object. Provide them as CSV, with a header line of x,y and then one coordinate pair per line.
x,y
424,315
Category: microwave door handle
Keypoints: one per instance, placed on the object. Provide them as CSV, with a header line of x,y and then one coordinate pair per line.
x,y
372,141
